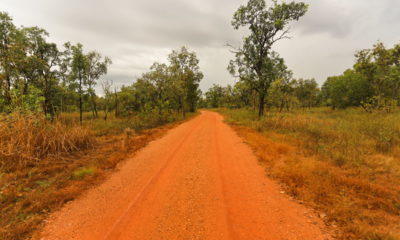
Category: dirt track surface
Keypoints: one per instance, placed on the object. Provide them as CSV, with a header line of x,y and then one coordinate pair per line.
x,y
199,182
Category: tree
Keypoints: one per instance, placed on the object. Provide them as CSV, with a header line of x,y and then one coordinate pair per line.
x,y
381,67
307,92
106,86
349,89
9,46
158,77
78,74
255,61
186,74
95,68
281,94
214,96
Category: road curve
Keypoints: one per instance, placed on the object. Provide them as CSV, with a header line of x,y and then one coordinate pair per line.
x,y
199,182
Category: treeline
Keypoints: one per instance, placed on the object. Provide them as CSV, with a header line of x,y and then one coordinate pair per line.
x,y
282,95
373,83
165,88
35,75
265,81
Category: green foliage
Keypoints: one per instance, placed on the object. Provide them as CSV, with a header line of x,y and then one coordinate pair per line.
x,y
255,61
349,89
373,84
165,88
35,75
83,172
284,93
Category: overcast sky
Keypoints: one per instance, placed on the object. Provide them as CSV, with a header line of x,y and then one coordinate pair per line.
x,y
136,33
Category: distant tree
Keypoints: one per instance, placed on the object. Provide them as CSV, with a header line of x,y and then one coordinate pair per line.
x,y
306,91
159,78
9,49
214,96
243,94
281,94
95,68
255,61
349,89
108,95
186,74
381,67
78,76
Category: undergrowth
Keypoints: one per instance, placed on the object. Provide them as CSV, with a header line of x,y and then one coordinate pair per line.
x,y
344,163
46,163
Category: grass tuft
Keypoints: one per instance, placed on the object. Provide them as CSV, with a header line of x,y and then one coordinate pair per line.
x,y
81,173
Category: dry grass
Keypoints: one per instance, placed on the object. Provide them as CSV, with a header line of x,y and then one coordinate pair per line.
x,y
346,164
46,164
26,140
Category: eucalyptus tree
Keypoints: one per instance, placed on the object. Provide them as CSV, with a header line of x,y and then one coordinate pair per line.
x,y
381,67
78,75
307,92
186,74
96,66
255,59
159,78
9,35
106,87
214,96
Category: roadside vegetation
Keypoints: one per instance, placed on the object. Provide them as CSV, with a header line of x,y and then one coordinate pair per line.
x,y
59,136
334,147
344,163
45,164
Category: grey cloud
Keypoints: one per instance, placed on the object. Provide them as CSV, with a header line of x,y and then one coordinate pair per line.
x,y
326,17
136,33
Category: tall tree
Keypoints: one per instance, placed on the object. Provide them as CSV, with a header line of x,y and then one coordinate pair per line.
x,y
95,68
78,73
8,47
185,70
255,59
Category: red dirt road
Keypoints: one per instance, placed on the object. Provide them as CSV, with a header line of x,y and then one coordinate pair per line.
x,y
198,182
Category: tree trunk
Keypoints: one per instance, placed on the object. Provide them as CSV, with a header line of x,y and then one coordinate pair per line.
x,y
261,105
94,106
46,98
254,102
80,101
183,108
116,103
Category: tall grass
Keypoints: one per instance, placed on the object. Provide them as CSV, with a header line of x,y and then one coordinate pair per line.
x,y
344,163
44,164
113,125
27,139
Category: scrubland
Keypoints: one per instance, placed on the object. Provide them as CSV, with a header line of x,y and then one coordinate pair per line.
x,y
343,163
44,164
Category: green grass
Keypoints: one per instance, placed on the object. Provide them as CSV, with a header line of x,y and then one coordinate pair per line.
x,y
81,173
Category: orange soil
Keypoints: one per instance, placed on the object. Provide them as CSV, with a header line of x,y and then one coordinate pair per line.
x,y
200,181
